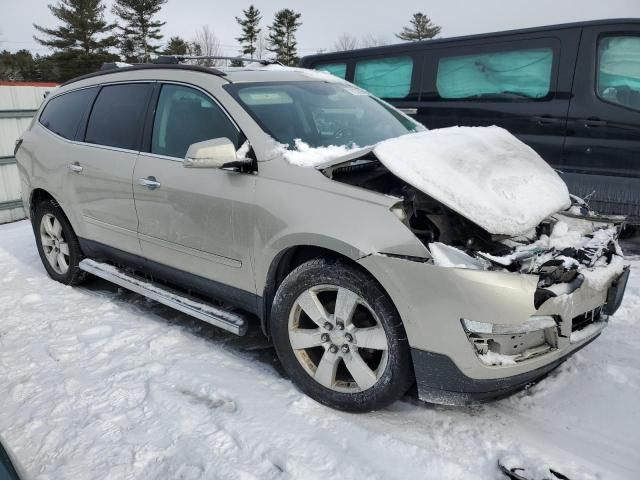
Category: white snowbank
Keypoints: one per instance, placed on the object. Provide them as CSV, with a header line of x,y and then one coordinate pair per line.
x,y
484,173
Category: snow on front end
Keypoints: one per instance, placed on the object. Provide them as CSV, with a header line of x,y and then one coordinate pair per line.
x,y
484,173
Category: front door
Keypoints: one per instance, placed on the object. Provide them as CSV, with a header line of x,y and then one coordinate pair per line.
x,y
196,220
101,166
602,148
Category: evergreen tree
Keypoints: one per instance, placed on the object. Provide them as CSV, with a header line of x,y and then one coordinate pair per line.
x,y
139,25
421,29
82,41
177,46
282,36
250,30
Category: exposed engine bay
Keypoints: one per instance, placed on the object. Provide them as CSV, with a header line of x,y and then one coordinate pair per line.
x,y
562,249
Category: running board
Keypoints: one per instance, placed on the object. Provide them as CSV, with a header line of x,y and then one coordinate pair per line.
x,y
230,321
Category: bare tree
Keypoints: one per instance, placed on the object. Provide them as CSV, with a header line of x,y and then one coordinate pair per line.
x,y
369,40
261,46
345,42
207,44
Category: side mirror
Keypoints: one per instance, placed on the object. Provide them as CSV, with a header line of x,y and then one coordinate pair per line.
x,y
215,153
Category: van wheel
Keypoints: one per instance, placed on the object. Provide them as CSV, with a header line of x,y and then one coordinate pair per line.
x,y
57,244
339,337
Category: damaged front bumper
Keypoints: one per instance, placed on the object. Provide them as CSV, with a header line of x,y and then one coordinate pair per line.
x,y
481,334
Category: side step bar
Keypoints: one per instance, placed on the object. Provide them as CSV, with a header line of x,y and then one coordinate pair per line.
x,y
230,321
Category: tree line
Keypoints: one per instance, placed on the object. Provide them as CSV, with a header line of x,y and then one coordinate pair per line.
x,y
83,39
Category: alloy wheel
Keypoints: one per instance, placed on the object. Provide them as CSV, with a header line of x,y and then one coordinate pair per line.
x,y
54,245
338,339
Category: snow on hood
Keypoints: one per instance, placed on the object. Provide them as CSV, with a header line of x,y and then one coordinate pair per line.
x,y
484,173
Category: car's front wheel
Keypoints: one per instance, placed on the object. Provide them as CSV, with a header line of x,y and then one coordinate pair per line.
x,y
339,337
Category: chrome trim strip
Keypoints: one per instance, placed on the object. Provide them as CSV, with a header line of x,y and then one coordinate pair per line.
x,y
211,257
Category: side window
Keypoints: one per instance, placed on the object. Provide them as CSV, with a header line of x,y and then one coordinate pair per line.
x,y
185,116
506,75
117,117
62,114
619,70
385,77
337,69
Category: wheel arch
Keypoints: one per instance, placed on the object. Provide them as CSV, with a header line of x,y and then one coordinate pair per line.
x,y
287,260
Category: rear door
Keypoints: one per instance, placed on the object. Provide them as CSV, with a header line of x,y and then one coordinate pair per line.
x,y
195,219
521,84
602,149
101,165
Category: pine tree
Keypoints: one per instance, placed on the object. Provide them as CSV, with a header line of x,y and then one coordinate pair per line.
x,y
250,30
139,25
177,46
282,36
421,29
81,43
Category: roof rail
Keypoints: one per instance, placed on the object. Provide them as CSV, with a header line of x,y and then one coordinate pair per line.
x,y
176,59
110,68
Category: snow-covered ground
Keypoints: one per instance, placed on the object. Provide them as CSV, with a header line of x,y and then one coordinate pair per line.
x,y
100,383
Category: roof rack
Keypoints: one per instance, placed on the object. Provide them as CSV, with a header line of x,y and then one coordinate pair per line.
x,y
177,59
113,67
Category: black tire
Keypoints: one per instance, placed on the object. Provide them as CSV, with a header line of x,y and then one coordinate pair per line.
x,y
73,275
397,376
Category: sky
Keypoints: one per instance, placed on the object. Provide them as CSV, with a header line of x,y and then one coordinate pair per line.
x,y
325,20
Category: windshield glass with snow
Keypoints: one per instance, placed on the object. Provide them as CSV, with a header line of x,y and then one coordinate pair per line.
x,y
321,114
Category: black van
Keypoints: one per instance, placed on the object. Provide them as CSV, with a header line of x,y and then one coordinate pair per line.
x,y
571,91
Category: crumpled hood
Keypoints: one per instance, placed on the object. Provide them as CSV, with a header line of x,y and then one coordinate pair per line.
x,y
484,173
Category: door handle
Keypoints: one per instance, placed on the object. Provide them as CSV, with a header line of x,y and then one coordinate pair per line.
x,y
546,120
74,167
150,182
592,122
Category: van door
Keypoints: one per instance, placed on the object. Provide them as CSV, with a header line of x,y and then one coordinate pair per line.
x,y
101,165
520,84
196,220
602,148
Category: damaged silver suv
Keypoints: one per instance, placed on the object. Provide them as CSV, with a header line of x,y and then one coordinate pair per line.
x,y
376,254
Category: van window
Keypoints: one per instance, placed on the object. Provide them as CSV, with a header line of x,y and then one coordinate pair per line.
x,y
385,77
507,75
117,116
185,116
62,114
619,70
337,69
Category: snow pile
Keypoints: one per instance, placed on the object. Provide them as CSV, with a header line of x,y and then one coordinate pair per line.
x,y
100,383
305,155
484,173
493,358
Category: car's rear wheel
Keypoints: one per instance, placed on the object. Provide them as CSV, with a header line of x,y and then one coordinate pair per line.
x,y
57,244
339,337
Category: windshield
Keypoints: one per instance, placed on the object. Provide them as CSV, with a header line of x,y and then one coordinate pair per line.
x,y
321,114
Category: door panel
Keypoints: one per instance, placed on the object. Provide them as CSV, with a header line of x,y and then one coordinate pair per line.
x,y
104,195
602,148
521,84
101,165
193,219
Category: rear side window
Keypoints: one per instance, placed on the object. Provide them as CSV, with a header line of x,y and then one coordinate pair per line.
x,y
117,116
619,70
506,75
62,114
385,77
185,116
337,69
